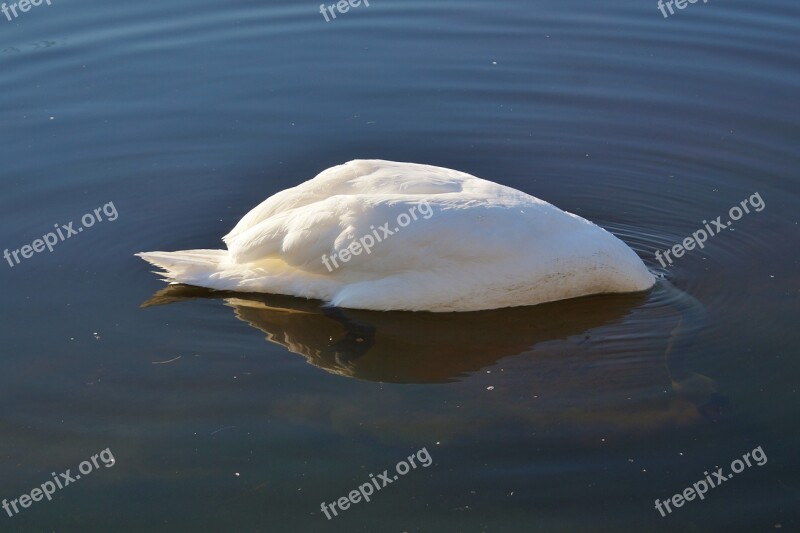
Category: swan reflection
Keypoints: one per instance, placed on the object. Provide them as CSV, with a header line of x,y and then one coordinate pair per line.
x,y
606,348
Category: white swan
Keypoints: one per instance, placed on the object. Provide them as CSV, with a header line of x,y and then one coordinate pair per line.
x,y
382,235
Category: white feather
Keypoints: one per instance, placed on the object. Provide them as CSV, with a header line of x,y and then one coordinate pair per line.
x,y
483,245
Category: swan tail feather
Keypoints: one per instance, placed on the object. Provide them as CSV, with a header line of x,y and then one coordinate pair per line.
x,y
189,267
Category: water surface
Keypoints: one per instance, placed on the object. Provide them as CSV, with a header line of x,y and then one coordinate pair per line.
x,y
245,412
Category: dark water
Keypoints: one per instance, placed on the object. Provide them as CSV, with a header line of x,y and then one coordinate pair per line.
x,y
573,416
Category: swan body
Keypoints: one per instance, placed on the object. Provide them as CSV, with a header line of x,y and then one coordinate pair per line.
x,y
442,240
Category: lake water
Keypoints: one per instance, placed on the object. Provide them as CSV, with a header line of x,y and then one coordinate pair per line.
x,y
245,413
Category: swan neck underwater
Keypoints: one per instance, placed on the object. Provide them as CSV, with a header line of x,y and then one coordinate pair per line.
x,y
383,235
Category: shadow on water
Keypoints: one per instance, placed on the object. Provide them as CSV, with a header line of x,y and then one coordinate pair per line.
x,y
598,353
